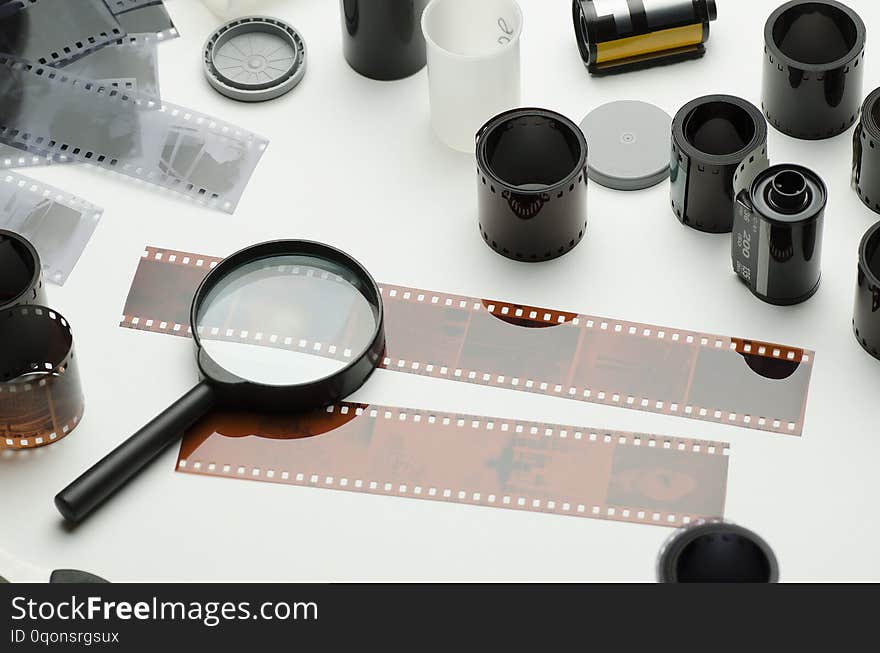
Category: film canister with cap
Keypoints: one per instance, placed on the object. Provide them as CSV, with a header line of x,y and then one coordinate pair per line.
x,y
715,138
814,56
777,236
616,36
716,552
866,153
21,274
866,316
382,39
532,180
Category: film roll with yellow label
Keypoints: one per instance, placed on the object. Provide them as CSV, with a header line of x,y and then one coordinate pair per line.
x,y
620,35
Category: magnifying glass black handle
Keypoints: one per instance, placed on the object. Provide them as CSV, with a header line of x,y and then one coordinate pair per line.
x,y
80,498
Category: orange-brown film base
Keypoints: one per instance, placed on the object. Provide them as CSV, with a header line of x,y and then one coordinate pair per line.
x,y
481,461
733,381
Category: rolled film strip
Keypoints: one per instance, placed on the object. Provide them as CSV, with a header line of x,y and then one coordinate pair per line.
x,y
144,17
735,381
134,57
615,36
58,224
41,399
719,145
814,52
482,461
51,32
866,153
21,274
66,118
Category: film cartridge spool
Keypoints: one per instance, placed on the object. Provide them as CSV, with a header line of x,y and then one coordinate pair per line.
x,y
532,184
777,239
866,315
21,274
866,153
254,59
383,39
717,552
615,37
813,68
717,142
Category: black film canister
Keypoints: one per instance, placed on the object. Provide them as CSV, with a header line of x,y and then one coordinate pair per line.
x,y
866,317
814,53
382,39
777,234
717,552
866,153
532,179
714,138
620,36
21,274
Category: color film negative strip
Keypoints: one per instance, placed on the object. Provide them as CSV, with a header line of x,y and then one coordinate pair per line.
x,y
51,32
733,381
503,463
66,118
58,224
41,398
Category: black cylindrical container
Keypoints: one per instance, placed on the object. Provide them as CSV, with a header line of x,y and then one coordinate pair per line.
x,y
382,39
21,274
866,317
717,552
712,138
777,234
532,179
814,57
614,37
866,153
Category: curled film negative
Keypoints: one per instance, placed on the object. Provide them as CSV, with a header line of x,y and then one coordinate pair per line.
x,y
719,143
21,274
814,52
678,372
777,234
58,224
866,316
50,32
134,57
144,17
866,153
619,35
66,118
482,461
41,399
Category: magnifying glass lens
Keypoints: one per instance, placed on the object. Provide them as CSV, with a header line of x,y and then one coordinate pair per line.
x,y
286,320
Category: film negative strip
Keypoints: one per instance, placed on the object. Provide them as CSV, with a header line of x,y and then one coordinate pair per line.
x,y
735,381
41,399
480,461
51,32
58,224
129,64
144,17
64,118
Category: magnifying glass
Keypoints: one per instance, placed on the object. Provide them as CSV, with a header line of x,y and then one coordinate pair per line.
x,y
284,326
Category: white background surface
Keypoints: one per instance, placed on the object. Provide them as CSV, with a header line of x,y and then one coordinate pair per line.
x,y
353,162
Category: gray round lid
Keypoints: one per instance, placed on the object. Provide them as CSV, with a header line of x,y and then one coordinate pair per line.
x,y
629,144
255,58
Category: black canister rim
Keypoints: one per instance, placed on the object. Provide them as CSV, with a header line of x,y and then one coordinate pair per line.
x,y
680,126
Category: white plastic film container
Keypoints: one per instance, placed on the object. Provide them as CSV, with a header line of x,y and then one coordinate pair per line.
x,y
473,65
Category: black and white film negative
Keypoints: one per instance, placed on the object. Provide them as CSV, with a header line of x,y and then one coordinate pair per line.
x,y
58,224
64,118
131,64
51,32
144,17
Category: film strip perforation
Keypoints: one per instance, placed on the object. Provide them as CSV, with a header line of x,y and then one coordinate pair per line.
x,y
90,211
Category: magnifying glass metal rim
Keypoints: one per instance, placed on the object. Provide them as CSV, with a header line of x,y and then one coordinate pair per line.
x,y
342,382
107,476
